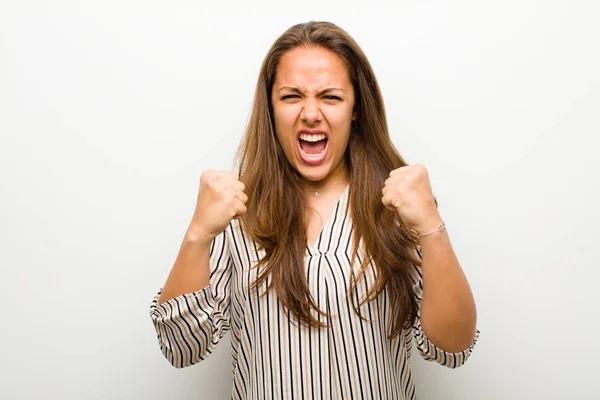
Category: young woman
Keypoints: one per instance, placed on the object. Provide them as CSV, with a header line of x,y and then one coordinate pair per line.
x,y
326,255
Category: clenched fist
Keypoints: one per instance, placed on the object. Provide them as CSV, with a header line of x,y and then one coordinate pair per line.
x,y
408,191
221,198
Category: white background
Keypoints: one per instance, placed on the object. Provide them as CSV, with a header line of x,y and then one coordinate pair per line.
x,y
110,111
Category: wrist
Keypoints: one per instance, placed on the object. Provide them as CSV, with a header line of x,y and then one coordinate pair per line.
x,y
196,234
429,225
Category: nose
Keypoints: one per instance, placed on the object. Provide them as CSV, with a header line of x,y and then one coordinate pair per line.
x,y
310,111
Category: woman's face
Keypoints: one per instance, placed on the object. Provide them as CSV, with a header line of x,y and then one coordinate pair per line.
x,y
313,103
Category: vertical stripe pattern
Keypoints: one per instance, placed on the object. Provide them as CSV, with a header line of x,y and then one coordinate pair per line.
x,y
274,358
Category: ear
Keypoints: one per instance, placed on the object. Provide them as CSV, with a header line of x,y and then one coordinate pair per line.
x,y
354,116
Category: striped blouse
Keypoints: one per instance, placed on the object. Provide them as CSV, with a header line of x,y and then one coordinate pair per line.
x,y
273,357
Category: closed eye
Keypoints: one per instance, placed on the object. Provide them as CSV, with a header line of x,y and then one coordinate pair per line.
x,y
330,97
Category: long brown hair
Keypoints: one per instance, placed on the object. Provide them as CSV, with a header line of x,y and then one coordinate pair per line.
x,y
276,202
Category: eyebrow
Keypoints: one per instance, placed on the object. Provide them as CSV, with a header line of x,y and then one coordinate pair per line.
x,y
296,90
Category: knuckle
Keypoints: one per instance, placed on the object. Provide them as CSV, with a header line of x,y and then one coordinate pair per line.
x,y
208,173
212,178
213,185
204,176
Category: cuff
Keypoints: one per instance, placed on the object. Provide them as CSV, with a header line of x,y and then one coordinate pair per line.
x,y
431,352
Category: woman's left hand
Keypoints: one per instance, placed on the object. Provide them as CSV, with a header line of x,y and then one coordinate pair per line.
x,y
408,191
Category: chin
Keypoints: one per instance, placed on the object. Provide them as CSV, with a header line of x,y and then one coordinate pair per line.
x,y
314,174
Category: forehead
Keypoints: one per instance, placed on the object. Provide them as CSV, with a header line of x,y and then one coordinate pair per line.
x,y
311,68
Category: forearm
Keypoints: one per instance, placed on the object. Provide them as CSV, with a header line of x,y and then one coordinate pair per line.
x,y
191,270
448,314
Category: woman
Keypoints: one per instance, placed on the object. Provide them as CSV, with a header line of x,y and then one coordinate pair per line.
x,y
326,255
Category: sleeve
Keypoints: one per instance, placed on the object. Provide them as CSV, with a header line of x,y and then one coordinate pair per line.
x,y
189,326
427,349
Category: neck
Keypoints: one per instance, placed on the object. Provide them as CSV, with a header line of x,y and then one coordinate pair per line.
x,y
333,179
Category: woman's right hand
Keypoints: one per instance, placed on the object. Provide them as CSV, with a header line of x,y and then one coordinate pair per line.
x,y
221,198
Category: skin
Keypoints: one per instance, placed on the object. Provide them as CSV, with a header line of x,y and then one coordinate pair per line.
x,y
298,103
448,312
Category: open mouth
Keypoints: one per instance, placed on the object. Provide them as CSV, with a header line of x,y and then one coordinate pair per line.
x,y
312,147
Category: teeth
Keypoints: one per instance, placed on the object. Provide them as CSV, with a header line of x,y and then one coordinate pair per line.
x,y
312,138
315,155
